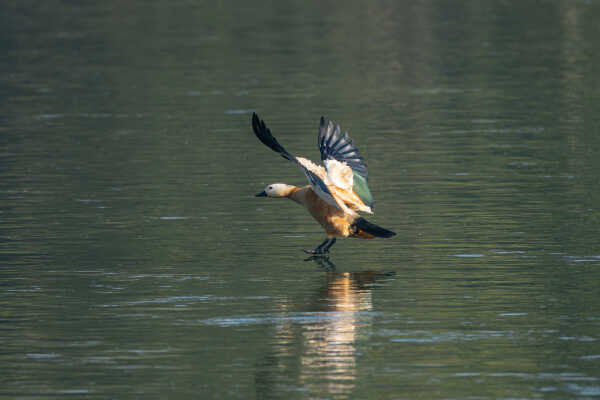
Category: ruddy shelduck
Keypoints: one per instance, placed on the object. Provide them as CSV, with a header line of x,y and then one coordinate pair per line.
x,y
336,192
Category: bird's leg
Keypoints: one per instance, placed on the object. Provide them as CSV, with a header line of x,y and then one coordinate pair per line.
x,y
328,246
318,249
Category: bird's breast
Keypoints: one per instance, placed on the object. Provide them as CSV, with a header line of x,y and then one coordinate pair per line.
x,y
334,221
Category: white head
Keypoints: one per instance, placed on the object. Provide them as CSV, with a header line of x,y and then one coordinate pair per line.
x,y
276,190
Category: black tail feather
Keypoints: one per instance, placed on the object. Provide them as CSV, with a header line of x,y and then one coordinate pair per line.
x,y
264,135
372,229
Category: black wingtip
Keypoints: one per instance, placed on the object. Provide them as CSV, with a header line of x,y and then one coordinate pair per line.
x,y
335,145
264,135
255,123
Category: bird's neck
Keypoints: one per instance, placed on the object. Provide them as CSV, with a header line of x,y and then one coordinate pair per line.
x,y
297,194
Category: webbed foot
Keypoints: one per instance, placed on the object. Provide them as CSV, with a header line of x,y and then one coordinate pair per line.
x,y
323,248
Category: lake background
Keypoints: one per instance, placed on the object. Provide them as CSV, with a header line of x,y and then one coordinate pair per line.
x,y
136,263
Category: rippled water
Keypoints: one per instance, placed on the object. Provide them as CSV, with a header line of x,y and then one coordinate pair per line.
x,y
136,262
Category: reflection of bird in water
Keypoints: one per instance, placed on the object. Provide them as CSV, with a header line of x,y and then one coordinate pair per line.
x,y
321,353
350,291
336,193
323,262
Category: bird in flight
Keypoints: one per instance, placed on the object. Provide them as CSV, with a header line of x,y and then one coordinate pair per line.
x,y
335,193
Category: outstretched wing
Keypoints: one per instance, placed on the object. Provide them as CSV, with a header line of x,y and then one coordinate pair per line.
x,y
264,135
335,146
320,188
315,174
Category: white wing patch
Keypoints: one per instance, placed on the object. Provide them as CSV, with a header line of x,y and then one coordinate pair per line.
x,y
314,168
339,174
317,177
333,185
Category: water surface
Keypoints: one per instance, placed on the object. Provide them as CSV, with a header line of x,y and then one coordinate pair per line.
x,y
136,262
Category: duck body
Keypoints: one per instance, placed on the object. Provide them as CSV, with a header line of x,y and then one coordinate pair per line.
x,y
336,192
335,222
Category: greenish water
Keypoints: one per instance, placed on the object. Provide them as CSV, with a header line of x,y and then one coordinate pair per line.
x,y
136,263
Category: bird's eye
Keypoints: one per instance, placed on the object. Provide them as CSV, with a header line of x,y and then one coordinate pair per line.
x,y
270,187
